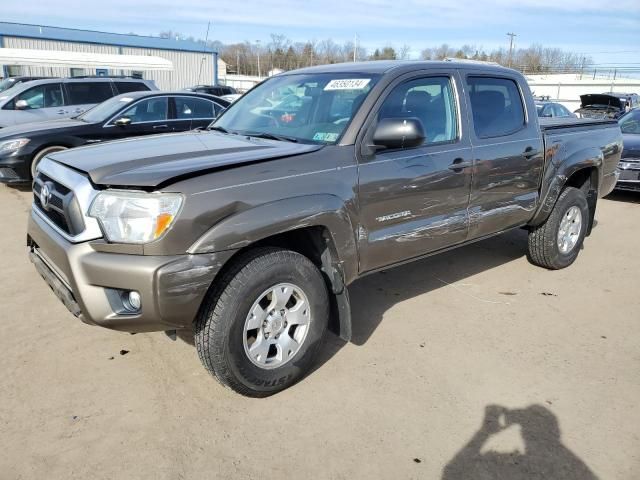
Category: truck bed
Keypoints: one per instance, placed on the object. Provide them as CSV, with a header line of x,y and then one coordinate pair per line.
x,y
561,123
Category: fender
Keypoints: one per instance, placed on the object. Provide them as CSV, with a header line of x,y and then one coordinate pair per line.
x,y
556,176
339,263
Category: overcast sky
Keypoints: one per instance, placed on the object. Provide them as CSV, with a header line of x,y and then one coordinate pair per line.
x,y
608,31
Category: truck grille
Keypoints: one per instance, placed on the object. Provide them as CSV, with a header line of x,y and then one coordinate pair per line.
x,y
59,204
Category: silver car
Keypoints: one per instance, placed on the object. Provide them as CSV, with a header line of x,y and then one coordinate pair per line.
x,y
47,99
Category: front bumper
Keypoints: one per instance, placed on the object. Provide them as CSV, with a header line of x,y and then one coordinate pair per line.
x,y
629,175
87,281
15,168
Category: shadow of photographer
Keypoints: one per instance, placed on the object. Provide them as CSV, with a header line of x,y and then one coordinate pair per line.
x,y
544,456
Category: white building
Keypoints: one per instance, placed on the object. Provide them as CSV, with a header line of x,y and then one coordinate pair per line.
x,y
567,88
190,62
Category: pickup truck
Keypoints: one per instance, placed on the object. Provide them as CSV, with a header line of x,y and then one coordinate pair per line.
x,y
249,232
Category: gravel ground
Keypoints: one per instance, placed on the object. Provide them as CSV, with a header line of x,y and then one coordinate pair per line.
x,y
471,364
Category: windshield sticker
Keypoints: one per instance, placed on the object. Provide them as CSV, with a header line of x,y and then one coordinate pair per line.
x,y
326,137
347,84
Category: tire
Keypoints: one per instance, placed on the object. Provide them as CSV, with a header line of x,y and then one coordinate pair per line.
x,y
40,155
545,247
223,336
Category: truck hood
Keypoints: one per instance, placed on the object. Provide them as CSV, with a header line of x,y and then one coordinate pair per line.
x,y
155,160
593,99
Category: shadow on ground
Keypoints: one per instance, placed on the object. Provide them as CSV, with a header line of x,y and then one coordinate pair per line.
x,y
373,295
545,457
624,196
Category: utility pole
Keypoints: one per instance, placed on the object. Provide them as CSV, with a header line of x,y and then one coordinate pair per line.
x,y
258,44
355,47
511,47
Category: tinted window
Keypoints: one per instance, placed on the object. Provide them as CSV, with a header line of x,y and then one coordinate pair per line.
x,y
188,108
126,87
152,110
496,105
428,99
81,93
630,123
43,96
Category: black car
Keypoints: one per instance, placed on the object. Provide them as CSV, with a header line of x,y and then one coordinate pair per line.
x,y
553,110
127,115
630,162
7,83
216,90
601,106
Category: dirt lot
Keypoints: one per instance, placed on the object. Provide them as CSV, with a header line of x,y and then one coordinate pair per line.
x,y
436,342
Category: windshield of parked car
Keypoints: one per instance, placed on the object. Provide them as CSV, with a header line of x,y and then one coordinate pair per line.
x,y
6,84
630,123
103,111
539,109
308,108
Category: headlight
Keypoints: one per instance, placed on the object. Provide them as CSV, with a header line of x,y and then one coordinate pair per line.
x,y
135,217
11,146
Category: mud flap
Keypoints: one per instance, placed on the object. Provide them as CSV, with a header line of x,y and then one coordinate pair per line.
x,y
592,200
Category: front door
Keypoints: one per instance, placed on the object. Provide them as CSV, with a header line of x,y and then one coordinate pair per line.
x,y
414,201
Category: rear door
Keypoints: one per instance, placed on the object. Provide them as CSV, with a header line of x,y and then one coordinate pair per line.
x,y
83,95
414,201
507,153
193,112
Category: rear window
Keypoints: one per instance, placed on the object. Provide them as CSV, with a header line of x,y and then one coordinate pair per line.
x,y
81,93
496,105
126,87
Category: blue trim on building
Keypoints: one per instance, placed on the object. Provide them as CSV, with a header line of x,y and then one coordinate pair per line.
x,y
21,30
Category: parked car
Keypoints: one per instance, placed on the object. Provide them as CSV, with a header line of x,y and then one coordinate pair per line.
x,y
251,231
630,162
553,110
629,100
598,105
131,114
46,99
10,82
216,90
232,97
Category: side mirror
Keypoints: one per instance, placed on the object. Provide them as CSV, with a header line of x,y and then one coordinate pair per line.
x,y
399,133
122,122
22,105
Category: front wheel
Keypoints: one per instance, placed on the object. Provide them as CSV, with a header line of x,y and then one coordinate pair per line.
x,y
262,325
556,243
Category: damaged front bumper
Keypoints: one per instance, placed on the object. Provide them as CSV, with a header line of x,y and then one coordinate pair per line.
x,y
93,284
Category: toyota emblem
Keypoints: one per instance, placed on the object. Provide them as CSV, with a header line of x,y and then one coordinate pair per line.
x,y
45,196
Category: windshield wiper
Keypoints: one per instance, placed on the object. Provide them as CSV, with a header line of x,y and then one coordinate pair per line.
x,y
218,129
271,136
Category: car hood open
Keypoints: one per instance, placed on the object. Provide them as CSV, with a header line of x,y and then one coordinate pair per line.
x,y
593,99
156,160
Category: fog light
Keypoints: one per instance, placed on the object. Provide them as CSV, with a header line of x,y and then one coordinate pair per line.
x,y
134,300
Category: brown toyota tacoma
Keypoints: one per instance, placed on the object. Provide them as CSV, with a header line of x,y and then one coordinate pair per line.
x,y
248,232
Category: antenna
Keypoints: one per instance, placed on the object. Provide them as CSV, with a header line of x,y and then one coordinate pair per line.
x,y
204,51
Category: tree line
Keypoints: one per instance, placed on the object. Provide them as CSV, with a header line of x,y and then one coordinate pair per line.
x,y
257,58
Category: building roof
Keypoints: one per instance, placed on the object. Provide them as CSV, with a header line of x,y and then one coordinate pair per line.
x,y
43,32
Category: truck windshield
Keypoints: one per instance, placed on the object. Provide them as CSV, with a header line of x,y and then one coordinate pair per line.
x,y
308,108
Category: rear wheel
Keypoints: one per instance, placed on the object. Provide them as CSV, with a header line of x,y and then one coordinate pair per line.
x,y
40,155
262,325
556,243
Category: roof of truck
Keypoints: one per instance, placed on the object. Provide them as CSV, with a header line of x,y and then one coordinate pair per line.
x,y
384,66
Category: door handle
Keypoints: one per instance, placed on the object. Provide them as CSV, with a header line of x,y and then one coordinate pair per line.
x,y
160,127
459,164
530,152
61,112
79,110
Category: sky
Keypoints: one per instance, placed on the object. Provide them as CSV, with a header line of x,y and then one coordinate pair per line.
x,y
608,33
